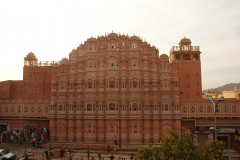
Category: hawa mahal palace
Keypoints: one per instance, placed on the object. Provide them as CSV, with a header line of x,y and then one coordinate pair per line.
x,y
116,85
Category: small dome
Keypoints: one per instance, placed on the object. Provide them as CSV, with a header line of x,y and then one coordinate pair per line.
x,y
163,56
91,39
31,57
64,61
134,38
113,34
185,41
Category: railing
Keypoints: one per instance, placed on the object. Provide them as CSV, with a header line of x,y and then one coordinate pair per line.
x,y
42,63
185,48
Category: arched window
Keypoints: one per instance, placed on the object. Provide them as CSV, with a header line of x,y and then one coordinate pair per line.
x,y
111,84
111,106
89,84
135,107
89,107
60,108
134,84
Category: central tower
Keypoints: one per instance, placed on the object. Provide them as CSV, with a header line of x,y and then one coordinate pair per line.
x,y
188,59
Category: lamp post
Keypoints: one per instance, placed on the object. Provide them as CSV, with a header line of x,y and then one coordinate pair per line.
x,y
214,108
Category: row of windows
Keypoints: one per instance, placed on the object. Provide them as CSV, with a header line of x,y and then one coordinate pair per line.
x,y
187,57
90,47
116,107
115,84
209,109
110,65
25,109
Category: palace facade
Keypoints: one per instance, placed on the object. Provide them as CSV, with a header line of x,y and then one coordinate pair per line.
x,y
116,85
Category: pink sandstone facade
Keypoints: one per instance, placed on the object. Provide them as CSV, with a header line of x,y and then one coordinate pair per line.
x,y
115,85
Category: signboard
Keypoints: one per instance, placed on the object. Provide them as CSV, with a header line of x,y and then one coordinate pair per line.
x,y
227,130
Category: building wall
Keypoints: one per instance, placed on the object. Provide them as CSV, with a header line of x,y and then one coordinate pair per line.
x,y
115,85
119,83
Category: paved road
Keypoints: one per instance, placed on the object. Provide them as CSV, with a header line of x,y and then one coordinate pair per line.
x,y
37,153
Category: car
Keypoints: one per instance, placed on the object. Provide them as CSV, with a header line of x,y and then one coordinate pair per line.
x,y
5,155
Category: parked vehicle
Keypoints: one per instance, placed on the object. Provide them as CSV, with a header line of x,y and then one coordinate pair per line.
x,y
5,155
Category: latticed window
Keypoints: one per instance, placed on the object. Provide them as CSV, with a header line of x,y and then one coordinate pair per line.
x,y
134,84
6,109
192,109
225,108
184,109
39,109
25,109
32,109
166,107
111,106
89,84
60,108
13,109
201,109
135,107
234,109
19,109
89,107
208,108
111,84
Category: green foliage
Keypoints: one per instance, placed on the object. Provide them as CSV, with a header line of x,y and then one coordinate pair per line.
x,y
174,147
212,150
145,153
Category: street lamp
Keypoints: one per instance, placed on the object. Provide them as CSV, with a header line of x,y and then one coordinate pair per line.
x,y
214,107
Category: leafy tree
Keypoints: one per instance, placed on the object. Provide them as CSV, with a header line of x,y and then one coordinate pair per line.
x,y
212,150
174,147
145,153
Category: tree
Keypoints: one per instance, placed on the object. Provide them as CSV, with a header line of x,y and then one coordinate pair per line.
x,y
174,147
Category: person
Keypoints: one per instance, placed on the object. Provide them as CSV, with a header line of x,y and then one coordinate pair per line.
x,y
70,156
88,153
33,139
108,148
69,148
132,156
92,158
111,157
99,156
115,140
61,152
46,154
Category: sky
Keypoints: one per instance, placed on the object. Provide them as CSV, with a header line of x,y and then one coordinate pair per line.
x,y
51,29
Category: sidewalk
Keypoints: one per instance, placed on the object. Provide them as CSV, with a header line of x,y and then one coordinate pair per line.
x,y
37,153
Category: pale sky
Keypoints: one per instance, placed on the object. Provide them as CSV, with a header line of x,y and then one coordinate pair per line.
x,y
52,28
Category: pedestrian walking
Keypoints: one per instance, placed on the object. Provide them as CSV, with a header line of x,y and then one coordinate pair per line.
x,y
111,157
46,154
115,140
69,148
33,139
70,156
62,152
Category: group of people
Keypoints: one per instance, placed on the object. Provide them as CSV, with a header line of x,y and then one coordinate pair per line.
x,y
70,151
22,135
116,142
15,136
